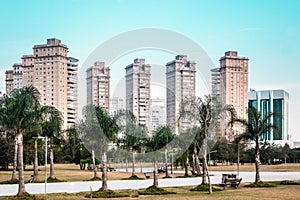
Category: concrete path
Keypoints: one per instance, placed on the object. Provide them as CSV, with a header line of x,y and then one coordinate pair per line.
x,y
72,187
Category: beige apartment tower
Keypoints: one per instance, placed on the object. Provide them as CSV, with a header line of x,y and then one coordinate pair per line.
x,y
9,81
54,74
98,85
181,84
138,90
13,78
230,85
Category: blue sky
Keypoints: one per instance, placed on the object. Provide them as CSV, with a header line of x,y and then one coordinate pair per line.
x,y
265,31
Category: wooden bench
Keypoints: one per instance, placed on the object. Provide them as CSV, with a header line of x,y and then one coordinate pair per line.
x,y
230,180
148,174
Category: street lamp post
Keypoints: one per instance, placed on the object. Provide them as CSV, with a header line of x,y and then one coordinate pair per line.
x,y
238,160
46,150
172,161
209,155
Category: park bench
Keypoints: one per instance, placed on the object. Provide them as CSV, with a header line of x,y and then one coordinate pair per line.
x,y
148,174
31,179
111,169
230,180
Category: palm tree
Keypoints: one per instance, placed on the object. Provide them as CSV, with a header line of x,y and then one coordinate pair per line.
x,y
256,126
109,129
202,112
73,144
6,121
134,134
20,107
52,129
89,131
160,139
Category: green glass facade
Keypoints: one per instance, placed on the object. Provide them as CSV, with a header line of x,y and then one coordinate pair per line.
x,y
277,102
265,109
277,119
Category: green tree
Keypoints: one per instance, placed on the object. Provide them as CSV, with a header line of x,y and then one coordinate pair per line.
x,y
203,112
134,135
256,126
89,131
286,150
73,145
160,139
51,127
18,110
109,129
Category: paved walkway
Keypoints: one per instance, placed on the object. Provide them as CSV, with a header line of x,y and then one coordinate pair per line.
x,y
72,187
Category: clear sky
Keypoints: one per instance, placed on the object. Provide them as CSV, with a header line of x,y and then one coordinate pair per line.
x,y
265,31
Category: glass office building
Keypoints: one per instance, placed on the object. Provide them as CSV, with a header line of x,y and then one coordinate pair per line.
x,y
277,102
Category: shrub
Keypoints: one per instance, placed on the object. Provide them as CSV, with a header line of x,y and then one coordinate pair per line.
x,y
95,179
133,178
286,182
53,180
107,194
205,188
153,190
260,184
10,182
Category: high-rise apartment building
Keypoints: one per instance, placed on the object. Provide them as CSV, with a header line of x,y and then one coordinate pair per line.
x,y
230,85
157,114
13,78
54,74
117,103
98,85
181,84
9,81
138,90
277,102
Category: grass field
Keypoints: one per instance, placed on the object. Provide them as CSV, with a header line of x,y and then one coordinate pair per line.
x,y
289,192
71,172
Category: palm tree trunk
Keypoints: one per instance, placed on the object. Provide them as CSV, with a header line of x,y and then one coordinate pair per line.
x,y
51,162
35,166
133,162
257,160
186,166
196,159
194,164
209,183
204,168
14,173
94,163
22,190
126,163
166,162
155,172
104,172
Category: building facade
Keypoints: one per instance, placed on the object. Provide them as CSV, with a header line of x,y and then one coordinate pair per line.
x,y
117,103
9,81
54,74
98,85
138,79
181,84
13,78
230,85
277,102
157,114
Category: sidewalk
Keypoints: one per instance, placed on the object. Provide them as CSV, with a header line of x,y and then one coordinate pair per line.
x,y
73,187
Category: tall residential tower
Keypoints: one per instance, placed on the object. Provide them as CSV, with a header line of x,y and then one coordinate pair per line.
x,y
181,84
230,85
138,90
98,85
54,74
